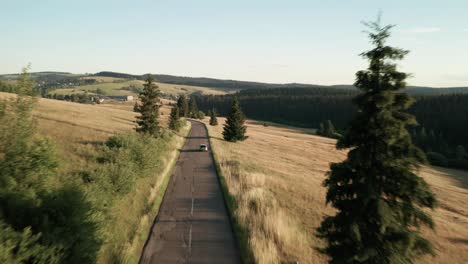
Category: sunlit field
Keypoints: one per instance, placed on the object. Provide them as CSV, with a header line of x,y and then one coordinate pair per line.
x,y
276,176
118,86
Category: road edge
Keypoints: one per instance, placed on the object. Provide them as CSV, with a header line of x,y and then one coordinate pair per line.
x,y
241,234
162,191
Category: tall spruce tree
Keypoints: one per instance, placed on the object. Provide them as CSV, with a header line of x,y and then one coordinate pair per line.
x,y
330,130
378,197
174,119
193,108
147,121
213,118
321,130
182,104
234,129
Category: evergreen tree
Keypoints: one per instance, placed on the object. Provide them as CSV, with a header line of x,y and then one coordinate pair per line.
x,y
147,121
182,104
40,222
174,121
321,130
193,108
200,115
213,118
423,138
378,197
234,128
329,129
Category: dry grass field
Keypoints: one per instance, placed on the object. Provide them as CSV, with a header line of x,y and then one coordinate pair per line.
x,y
114,86
77,127
276,176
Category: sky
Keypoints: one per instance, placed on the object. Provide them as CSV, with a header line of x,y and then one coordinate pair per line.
x,y
304,41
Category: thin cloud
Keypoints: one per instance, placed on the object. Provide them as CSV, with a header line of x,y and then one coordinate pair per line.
x,y
466,29
420,30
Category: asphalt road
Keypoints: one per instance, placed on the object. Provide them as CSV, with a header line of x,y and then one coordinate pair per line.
x,y
193,224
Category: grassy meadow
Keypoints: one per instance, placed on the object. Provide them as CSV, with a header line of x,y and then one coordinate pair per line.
x,y
276,177
118,86
122,174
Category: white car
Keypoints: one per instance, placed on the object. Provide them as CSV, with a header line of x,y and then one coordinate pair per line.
x,y
203,147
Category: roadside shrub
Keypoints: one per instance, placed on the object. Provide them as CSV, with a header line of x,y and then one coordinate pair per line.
x,y
22,247
200,115
130,168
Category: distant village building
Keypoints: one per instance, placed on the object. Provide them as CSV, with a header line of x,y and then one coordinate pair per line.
x,y
121,97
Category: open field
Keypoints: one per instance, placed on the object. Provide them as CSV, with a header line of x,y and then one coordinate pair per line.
x,y
74,123
276,176
117,86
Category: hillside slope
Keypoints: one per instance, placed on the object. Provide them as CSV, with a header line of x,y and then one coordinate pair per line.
x,y
241,85
280,171
123,181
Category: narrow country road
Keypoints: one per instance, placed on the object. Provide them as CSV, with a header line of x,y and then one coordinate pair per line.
x,y
193,224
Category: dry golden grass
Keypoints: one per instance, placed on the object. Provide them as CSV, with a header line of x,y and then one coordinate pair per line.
x,y
278,184
113,86
76,128
176,89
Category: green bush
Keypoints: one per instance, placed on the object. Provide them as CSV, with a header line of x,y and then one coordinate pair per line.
x,y
119,187
200,115
35,205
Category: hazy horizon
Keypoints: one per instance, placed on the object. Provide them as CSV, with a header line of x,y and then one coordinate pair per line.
x,y
261,41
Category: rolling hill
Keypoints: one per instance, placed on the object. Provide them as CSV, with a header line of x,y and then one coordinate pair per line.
x,y
79,135
212,85
242,85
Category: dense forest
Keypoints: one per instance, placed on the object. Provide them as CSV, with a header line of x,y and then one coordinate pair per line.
x,y
443,119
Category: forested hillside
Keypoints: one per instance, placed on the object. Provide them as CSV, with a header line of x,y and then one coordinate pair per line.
x,y
443,119
246,85
54,80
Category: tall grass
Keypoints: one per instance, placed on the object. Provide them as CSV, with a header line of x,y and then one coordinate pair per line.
x,y
266,232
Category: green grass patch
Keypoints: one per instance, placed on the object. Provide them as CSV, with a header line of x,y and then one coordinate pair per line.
x,y
126,188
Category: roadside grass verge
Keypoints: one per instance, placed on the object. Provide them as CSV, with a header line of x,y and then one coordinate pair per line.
x,y
128,190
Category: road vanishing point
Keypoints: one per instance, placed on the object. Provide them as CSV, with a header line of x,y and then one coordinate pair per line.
x,y
193,224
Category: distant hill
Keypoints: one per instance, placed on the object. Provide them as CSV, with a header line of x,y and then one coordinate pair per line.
x,y
224,84
243,85
205,82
